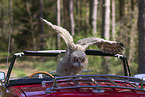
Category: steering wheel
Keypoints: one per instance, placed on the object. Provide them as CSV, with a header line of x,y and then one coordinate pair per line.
x,y
41,72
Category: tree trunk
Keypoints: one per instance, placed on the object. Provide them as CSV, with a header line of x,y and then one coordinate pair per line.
x,y
132,5
122,6
2,21
78,10
58,23
133,35
87,25
141,32
106,29
11,27
106,19
41,25
28,8
93,15
71,17
132,44
66,18
113,20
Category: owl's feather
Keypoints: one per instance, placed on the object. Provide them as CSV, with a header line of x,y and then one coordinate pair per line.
x,y
62,32
105,45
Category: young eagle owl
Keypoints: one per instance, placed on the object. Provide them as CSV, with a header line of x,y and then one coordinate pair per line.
x,y
75,58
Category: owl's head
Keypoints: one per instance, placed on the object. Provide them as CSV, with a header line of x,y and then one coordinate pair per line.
x,y
78,59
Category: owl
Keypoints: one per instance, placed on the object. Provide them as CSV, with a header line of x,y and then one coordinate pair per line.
x,y
75,59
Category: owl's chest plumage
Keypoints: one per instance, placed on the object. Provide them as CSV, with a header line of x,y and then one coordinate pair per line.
x,y
70,66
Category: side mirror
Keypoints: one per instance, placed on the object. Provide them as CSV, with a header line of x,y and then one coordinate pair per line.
x,y
2,75
141,76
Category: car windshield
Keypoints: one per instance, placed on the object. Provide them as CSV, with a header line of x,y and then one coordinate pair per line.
x,y
98,65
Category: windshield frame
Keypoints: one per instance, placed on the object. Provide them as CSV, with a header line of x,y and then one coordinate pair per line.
x,y
54,53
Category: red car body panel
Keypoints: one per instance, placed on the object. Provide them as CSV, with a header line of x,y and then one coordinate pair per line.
x,y
39,91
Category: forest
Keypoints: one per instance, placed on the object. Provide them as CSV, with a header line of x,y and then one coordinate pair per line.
x,y
116,20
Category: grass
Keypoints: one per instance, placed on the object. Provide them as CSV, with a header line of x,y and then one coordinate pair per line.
x,y
19,73
47,66
27,66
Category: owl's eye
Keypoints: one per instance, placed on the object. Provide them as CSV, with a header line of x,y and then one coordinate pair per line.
x,y
82,60
76,60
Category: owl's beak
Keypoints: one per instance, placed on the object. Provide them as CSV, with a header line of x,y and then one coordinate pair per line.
x,y
79,63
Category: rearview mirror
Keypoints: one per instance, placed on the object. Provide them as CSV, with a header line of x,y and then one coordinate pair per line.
x,y
2,75
140,76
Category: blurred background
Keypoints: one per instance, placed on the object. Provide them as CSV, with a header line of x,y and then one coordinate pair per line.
x,y
21,30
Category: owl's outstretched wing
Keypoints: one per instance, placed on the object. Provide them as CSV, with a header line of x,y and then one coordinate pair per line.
x,y
62,32
105,45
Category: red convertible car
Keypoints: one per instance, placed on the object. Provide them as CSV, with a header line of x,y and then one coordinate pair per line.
x,y
44,84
